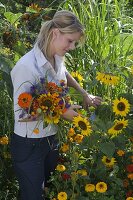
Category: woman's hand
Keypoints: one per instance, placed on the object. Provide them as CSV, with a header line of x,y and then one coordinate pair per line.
x,y
91,100
70,113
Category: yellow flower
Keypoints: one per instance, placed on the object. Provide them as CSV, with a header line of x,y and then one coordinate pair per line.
x,y
118,127
60,168
48,101
90,188
82,172
107,78
108,162
62,196
35,7
121,107
82,124
101,187
99,76
120,152
64,148
129,198
78,77
54,117
130,176
78,138
4,140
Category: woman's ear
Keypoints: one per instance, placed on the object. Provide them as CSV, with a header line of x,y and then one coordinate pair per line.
x,y
56,33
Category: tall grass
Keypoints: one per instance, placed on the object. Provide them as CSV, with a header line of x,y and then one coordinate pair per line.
x,y
108,40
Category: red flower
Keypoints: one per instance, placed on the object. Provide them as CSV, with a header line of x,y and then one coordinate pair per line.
x,y
129,168
129,193
65,176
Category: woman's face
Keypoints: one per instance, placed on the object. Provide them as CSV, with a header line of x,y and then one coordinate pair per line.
x,y
63,42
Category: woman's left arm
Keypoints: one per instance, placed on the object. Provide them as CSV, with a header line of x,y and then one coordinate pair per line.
x,y
88,99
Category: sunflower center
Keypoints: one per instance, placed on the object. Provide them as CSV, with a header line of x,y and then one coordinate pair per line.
x,y
82,125
47,103
121,106
118,126
54,114
107,160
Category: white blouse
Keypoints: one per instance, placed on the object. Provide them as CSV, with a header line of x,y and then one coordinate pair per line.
x,y
27,70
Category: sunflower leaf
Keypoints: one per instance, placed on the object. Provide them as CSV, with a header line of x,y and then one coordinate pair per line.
x,y
108,148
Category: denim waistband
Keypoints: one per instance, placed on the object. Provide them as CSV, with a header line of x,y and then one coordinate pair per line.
x,y
20,138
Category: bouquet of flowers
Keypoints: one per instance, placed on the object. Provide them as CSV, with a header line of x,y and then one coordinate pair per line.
x,y
45,101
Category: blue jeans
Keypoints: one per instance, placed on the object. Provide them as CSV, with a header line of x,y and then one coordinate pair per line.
x,y
33,159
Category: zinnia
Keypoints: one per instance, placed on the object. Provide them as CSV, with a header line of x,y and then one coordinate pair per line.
x,y
62,196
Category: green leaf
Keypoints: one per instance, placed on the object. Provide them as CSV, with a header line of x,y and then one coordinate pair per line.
x,y
11,17
108,148
2,8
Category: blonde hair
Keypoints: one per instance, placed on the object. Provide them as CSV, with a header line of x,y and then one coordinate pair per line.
x,y
65,21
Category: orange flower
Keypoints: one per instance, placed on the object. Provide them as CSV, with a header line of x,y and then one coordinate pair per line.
x,y
71,132
36,131
24,100
131,157
120,152
130,176
65,147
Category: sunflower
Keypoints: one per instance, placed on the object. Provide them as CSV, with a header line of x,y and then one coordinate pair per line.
x,y
108,162
118,127
35,7
121,107
82,124
107,78
62,196
90,188
48,101
101,187
78,77
53,117
100,76
24,100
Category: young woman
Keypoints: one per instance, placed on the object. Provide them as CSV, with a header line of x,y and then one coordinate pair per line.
x,y
35,155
